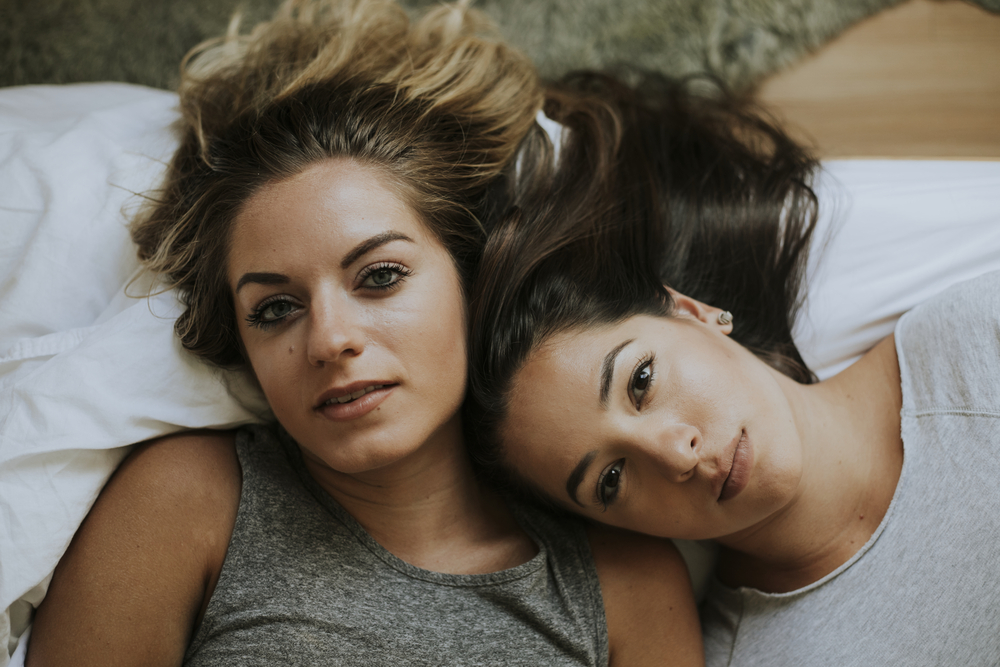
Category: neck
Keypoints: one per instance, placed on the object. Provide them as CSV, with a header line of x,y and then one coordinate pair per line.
x,y
428,509
852,458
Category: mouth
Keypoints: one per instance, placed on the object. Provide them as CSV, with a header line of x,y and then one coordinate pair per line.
x,y
349,397
739,469
353,401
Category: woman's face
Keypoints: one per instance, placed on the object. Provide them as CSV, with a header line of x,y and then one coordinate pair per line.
x,y
661,425
352,315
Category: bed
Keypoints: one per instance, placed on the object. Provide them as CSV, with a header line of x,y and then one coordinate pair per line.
x,y
88,365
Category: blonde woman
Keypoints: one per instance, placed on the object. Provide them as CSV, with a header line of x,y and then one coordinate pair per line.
x,y
321,220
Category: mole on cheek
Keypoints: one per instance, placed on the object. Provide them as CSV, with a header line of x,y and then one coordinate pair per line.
x,y
291,349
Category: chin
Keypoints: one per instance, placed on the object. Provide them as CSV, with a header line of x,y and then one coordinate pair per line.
x,y
361,456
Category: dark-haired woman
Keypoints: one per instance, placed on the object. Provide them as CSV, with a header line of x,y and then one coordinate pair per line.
x,y
321,219
687,413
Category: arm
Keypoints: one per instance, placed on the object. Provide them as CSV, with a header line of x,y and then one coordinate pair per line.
x,y
648,601
136,578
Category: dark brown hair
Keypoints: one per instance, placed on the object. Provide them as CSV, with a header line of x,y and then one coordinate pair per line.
x,y
655,186
438,107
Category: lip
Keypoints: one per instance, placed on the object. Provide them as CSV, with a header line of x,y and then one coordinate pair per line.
x,y
359,406
738,475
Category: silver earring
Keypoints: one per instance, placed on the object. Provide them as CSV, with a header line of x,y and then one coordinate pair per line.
x,y
725,317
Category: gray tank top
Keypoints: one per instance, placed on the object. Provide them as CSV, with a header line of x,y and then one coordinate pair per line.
x,y
304,584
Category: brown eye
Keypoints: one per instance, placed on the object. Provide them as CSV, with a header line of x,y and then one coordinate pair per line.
x,y
607,484
641,379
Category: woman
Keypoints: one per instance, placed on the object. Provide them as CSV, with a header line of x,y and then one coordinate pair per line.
x,y
321,220
635,405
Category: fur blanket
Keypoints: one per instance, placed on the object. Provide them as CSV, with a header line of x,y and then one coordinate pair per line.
x,y
142,41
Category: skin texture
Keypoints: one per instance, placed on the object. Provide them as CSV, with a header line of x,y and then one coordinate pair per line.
x,y
818,463
142,566
675,438
346,326
141,570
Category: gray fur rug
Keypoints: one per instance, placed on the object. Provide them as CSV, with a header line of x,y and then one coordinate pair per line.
x,y
142,41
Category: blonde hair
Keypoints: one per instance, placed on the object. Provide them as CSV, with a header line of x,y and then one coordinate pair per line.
x,y
439,107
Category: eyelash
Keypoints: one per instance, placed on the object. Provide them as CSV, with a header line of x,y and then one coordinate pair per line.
x,y
603,497
401,271
618,467
646,363
256,318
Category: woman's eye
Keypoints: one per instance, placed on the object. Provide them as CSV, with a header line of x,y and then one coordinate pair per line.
x,y
641,379
383,276
271,313
275,311
608,483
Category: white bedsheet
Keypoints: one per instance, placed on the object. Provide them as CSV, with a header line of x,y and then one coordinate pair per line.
x,y
86,370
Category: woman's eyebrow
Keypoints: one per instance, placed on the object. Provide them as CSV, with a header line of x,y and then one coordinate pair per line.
x,y
261,279
608,371
356,253
573,481
370,244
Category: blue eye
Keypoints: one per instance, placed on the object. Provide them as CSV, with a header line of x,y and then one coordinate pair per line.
x,y
271,312
642,378
609,482
383,276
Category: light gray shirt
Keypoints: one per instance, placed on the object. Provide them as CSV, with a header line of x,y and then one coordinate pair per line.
x,y
925,589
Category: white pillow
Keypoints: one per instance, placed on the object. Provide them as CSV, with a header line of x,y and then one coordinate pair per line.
x,y
86,370
892,233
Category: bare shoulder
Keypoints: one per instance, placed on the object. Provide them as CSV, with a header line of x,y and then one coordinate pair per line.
x,y
187,482
648,600
136,578
186,467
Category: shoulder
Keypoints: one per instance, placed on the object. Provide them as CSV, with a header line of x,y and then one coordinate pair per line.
x,y
949,347
648,598
141,568
185,480
190,484
967,308
184,466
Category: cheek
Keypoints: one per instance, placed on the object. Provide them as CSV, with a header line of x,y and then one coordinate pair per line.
x,y
430,337
276,364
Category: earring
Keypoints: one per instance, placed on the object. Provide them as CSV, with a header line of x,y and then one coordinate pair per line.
x,y
725,317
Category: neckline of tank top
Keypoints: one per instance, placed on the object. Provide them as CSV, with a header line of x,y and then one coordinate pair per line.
x,y
529,567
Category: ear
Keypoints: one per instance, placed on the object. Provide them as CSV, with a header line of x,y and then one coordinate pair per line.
x,y
702,312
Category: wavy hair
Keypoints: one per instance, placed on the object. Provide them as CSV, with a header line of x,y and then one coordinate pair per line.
x,y
439,107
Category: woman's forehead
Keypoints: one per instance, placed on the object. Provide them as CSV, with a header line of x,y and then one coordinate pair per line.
x,y
559,377
581,349
329,206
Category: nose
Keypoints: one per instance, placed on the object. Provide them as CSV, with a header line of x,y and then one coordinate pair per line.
x,y
675,449
335,332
